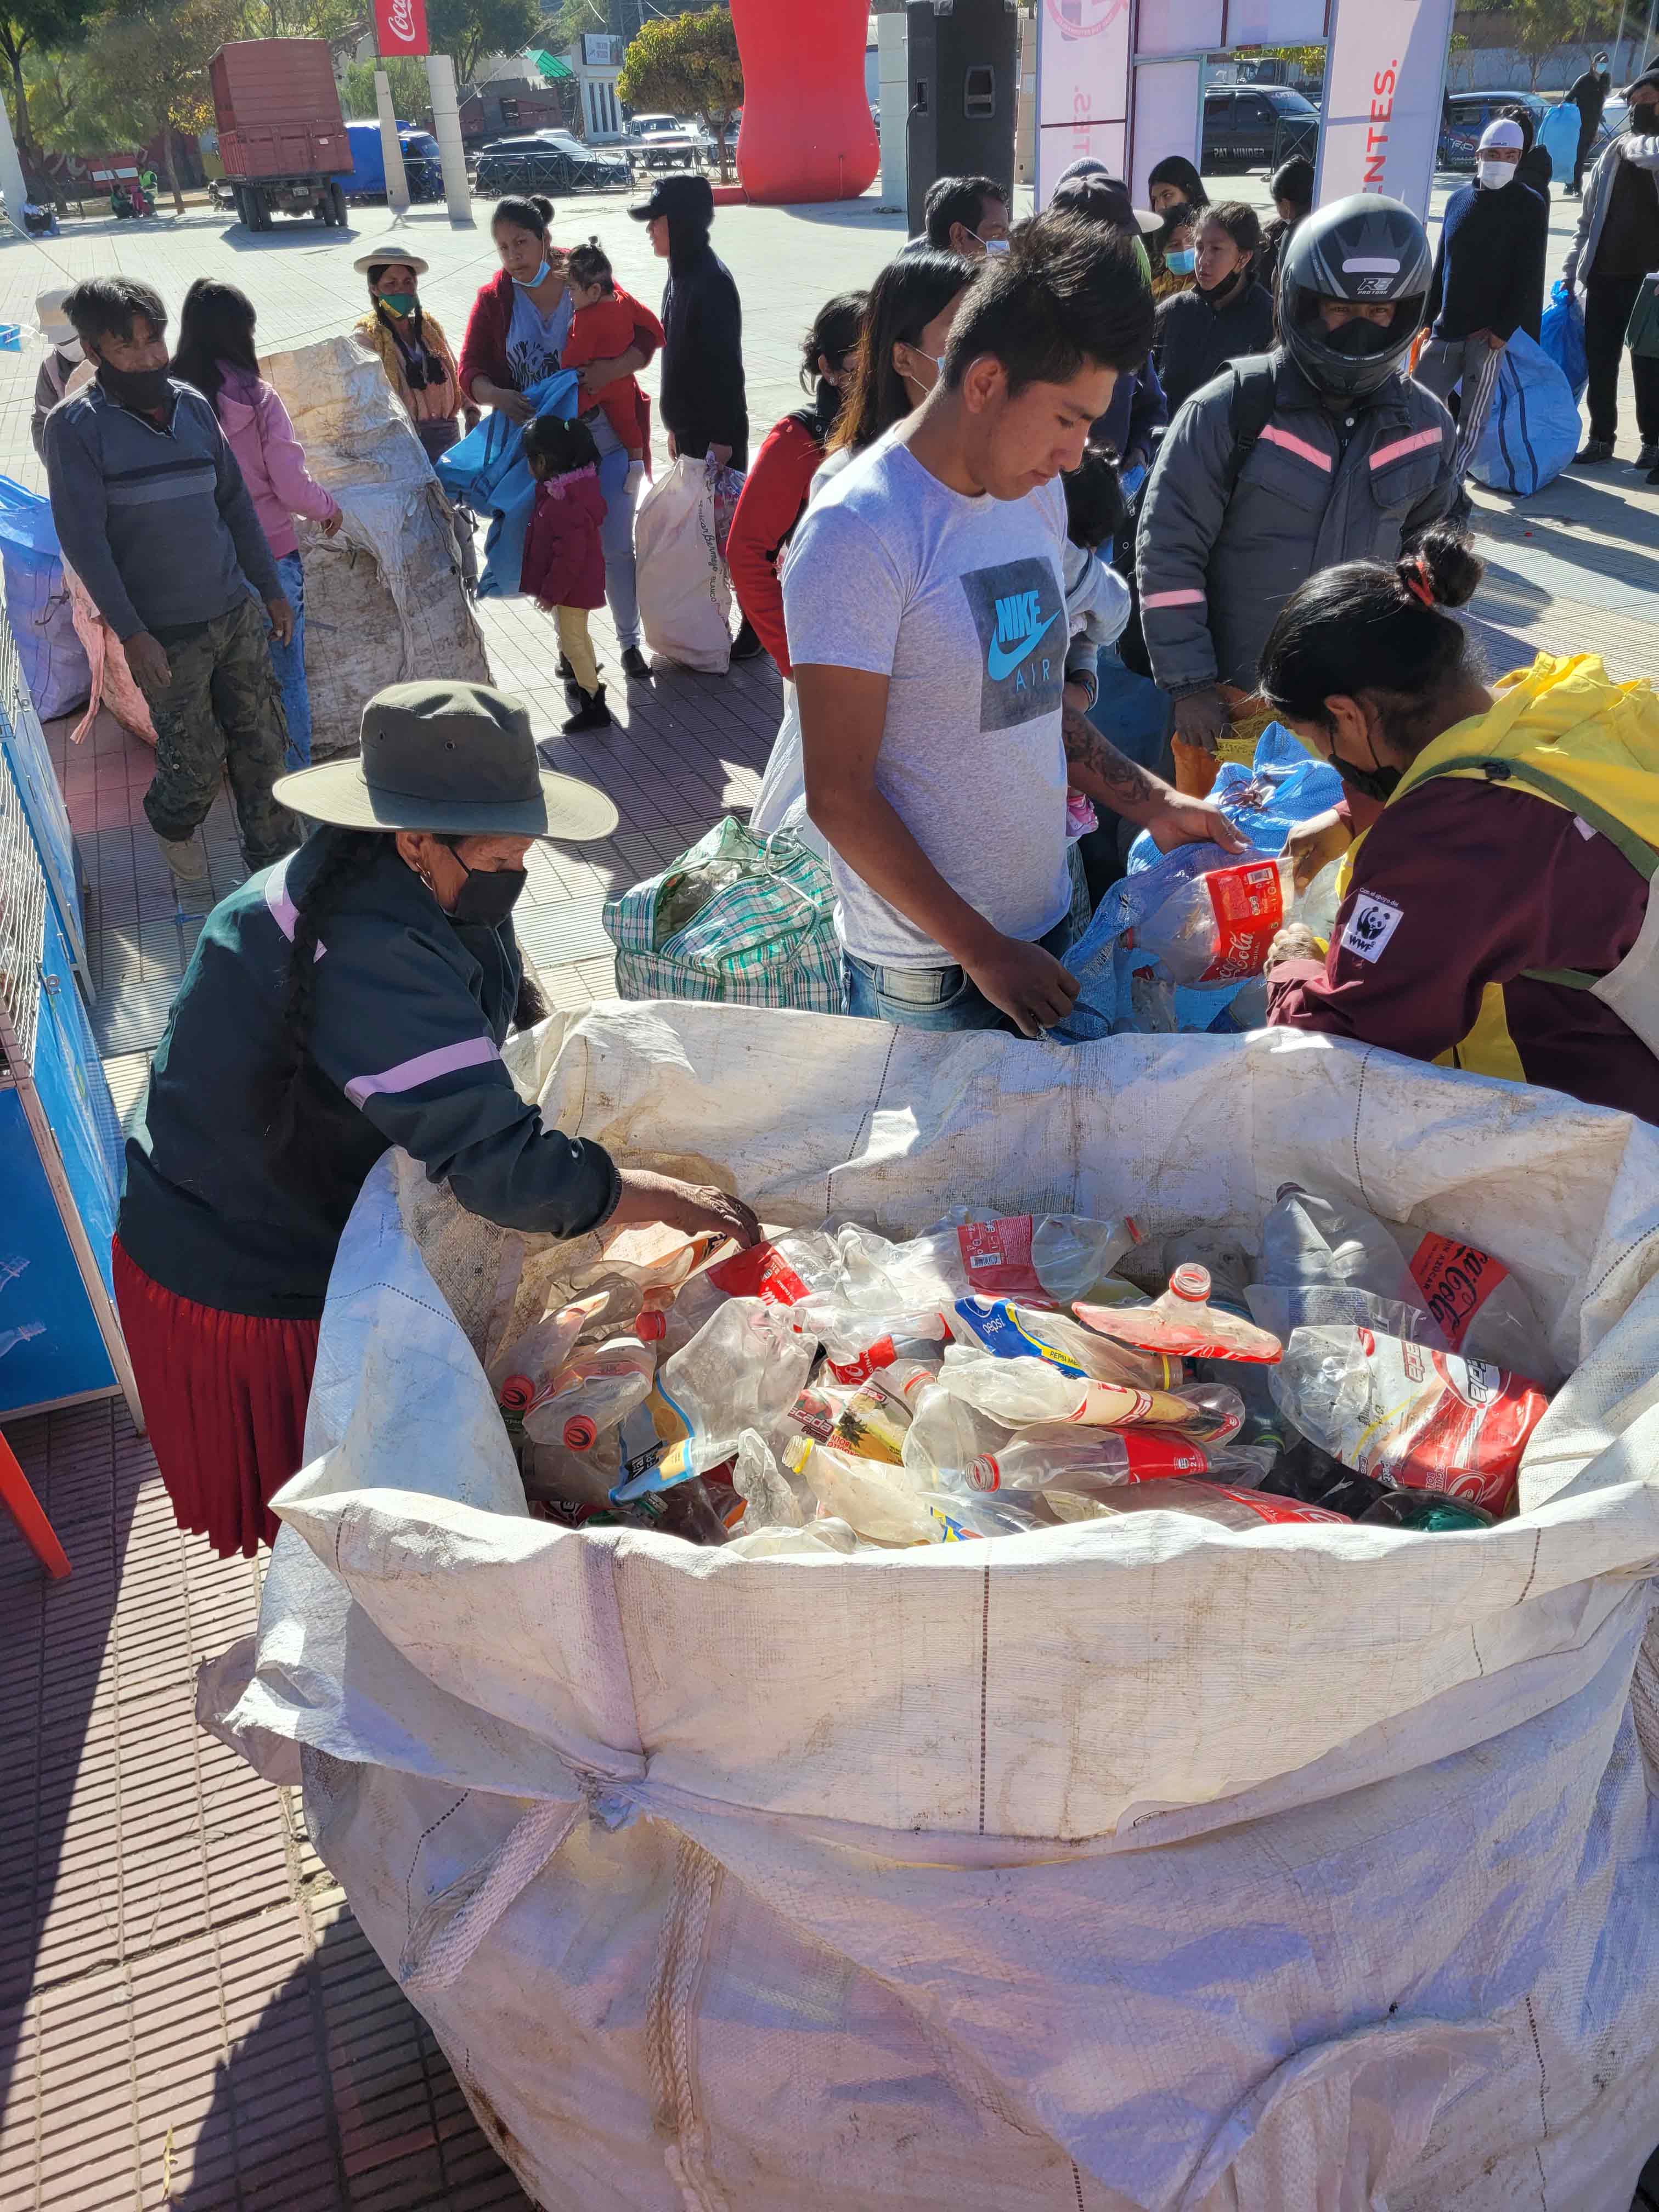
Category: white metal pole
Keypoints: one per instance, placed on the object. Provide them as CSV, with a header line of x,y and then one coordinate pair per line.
x,y
892,47
447,129
11,170
397,184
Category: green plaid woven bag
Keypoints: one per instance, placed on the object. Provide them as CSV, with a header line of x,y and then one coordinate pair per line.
x,y
744,919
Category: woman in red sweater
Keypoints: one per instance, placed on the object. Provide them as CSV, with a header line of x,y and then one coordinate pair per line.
x,y
774,491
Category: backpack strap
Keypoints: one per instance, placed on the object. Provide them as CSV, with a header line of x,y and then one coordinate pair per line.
x,y
1255,386
1636,850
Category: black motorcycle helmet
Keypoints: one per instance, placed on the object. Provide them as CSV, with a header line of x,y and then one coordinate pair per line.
x,y
1366,249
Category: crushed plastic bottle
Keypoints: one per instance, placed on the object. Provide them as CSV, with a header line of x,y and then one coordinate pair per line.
x,y
525,1370
591,1394
1050,1454
824,1539
1074,1255
1183,1324
1018,1392
742,1371
1264,1427
1016,1332
1228,1508
1214,929
1325,1263
880,1503
1409,1415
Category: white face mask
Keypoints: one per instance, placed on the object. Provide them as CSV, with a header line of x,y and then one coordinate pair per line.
x,y
1495,174
71,349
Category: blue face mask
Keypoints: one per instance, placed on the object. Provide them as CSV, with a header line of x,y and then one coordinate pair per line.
x,y
541,275
1181,260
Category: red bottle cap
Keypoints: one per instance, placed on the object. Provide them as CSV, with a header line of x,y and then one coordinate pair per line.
x,y
517,1392
581,1433
651,1325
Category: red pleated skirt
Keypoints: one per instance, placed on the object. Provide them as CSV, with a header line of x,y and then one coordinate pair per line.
x,y
224,1397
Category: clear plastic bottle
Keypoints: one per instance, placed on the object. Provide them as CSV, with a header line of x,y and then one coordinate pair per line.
x,y
1050,1455
1325,1263
536,1355
881,1503
1215,928
1073,1255
1183,1324
1007,1331
1265,1426
743,1370
1018,1392
591,1394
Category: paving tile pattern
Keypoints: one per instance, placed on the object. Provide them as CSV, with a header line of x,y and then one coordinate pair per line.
x,y
189,2015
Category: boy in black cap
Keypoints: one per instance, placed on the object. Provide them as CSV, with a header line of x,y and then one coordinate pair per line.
x,y
704,407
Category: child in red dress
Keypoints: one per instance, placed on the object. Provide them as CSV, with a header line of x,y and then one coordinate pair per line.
x,y
605,325
563,558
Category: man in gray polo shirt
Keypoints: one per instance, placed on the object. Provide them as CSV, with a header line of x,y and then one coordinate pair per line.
x,y
152,513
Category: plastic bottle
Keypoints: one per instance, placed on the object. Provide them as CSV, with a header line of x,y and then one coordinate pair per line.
x,y
1183,1324
1016,1332
1073,1255
1228,1508
592,1393
537,1354
742,1371
1317,1254
1050,1455
1409,1415
962,1519
1425,1510
880,1503
1215,928
1018,1392
1264,1427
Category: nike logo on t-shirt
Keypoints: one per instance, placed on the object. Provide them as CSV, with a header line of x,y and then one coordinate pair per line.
x,y
1018,632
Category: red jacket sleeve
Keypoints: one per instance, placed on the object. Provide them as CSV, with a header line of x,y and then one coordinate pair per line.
x,y
769,506
647,330
483,350
1449,894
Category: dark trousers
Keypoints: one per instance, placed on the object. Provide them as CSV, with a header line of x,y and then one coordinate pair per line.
x,y
1607,303
1587,130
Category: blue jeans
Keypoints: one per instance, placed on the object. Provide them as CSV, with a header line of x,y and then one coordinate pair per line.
x,y
616,537
931,998
290,662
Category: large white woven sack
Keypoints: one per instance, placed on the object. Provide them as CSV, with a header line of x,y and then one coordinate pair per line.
x,y
1134,1865
384,598
684,585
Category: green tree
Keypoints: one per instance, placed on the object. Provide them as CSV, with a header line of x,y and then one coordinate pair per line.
x,y
468,30
687,65
411,95
36,27
145,74
561,26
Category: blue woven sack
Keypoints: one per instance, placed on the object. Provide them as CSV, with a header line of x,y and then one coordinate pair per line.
x,y
487,472
1563,336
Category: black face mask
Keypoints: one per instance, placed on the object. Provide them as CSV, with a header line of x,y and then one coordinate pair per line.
x,y
1213,295
1641,121
1359,340
1378,783
488,896
146,389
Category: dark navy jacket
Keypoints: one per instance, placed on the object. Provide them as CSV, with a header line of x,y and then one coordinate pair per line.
x,y
410,1014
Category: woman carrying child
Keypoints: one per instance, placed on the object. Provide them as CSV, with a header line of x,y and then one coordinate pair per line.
x,y
563,551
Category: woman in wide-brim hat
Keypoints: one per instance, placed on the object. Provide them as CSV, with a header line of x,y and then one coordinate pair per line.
x,y
353,997
412,348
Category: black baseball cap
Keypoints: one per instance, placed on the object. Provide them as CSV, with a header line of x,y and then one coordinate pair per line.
x,y
681,198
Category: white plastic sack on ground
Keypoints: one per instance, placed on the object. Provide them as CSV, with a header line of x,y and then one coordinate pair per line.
x,y
384,601
685,589
1134,1864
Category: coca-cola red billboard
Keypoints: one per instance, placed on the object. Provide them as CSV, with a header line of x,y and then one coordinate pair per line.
x,y
400,27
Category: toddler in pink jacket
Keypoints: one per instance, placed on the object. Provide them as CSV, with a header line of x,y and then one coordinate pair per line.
x,y
215,353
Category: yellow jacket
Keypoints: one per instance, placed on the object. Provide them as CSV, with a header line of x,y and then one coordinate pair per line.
x,y
432,404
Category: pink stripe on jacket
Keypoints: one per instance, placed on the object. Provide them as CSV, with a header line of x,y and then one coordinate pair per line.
x,y
272,459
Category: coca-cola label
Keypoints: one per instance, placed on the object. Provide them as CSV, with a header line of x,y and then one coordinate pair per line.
x,y
1277,1509
1432,1420
400,27
882,1353
761,1272
1455,1280
997,1257
1249,905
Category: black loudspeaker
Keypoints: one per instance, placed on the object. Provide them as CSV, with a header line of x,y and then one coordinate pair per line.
x,y
965,92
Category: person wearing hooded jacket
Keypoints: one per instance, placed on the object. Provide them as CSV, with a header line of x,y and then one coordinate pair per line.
x,y
1497,915
703,401
1587,93
1617,243
1353,460
1488,280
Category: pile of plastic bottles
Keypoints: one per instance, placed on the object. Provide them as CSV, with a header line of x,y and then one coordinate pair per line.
x,y
831,1389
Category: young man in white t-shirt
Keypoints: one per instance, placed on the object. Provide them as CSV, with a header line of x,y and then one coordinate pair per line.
x,y
926,607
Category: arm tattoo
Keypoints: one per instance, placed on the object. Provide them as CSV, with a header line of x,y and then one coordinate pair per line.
x,y
1103,771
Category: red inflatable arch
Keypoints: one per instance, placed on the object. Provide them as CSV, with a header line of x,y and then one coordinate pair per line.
x,y
806,128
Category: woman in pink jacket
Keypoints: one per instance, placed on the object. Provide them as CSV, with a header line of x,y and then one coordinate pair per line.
x,y
215,353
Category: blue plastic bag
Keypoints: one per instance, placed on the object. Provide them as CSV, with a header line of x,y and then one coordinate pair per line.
x,y
1285,784
1532,429
1563,336
487,472
38,603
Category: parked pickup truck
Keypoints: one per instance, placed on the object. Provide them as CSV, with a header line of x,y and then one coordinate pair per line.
x,y
282,136
663,141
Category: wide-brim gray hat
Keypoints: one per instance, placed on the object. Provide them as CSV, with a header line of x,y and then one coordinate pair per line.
x,y
456,759
389,256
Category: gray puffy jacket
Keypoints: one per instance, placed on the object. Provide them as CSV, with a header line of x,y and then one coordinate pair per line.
x,y
1642,153
1214,571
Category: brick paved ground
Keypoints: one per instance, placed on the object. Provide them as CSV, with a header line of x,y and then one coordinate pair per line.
x,y
188,2013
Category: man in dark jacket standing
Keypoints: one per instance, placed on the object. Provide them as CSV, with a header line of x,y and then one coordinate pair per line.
x,y
705,409
1589,94
1488,280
